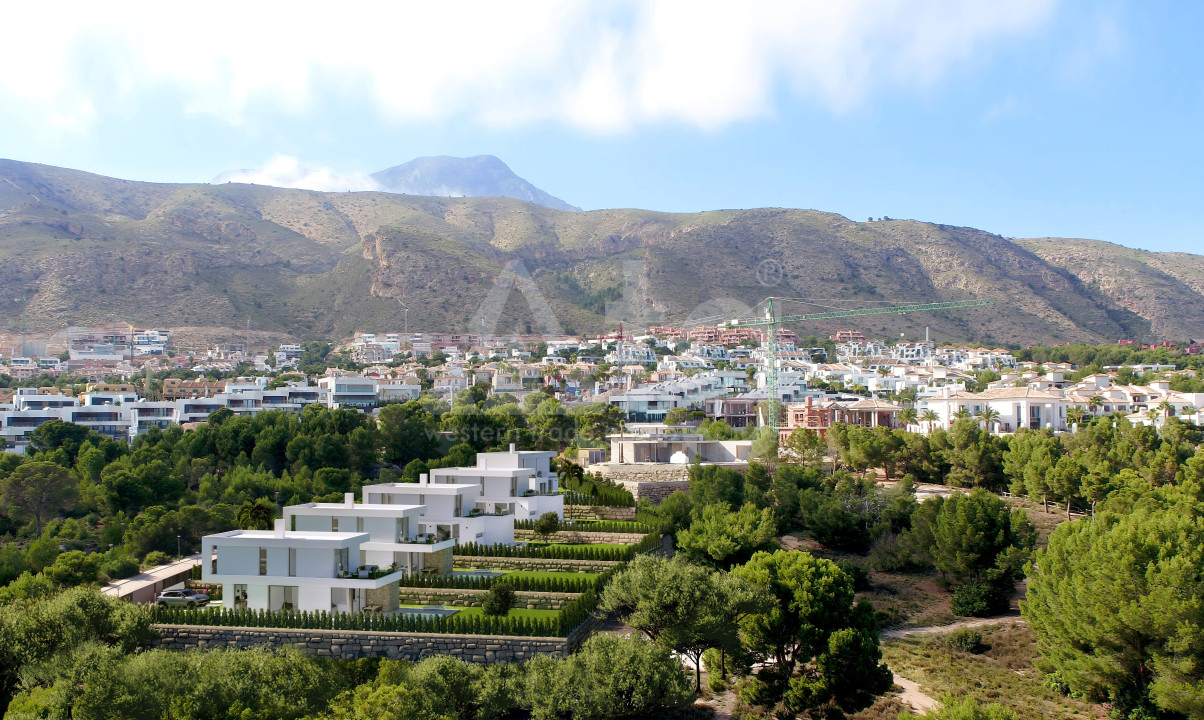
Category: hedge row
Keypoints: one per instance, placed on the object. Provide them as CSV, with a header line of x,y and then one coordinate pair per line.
x,y
568,583
559,552
570,616
591,492
598,526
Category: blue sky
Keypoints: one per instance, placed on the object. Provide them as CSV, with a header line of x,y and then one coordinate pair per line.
x,y
1026,118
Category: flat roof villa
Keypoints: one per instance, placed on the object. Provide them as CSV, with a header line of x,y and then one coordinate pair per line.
x,y
395,538
300,570
452,510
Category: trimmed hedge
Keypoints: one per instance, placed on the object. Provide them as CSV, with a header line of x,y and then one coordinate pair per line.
x,y
567,584
592,492
598,526
562,552
571,615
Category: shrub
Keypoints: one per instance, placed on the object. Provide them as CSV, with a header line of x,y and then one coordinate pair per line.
x,y
118,566
857,572
498,600
156,557
966,640
547,524
979,600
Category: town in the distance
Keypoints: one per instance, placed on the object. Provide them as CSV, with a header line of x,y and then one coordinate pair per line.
x,y
119,381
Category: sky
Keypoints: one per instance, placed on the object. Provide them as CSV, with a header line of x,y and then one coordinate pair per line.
x,y
1027,118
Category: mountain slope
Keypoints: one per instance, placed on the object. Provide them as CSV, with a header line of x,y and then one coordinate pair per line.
x,y
479,176
85,248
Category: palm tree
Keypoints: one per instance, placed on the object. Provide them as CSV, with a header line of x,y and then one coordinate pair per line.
x,y
1166,408
1075,415
987,415
930,416
961,414
1189,410
255,514
908,416
1093,404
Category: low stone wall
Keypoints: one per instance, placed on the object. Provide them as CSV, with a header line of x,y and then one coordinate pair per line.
x,y
540,564
472,598
354,644
575,536
598,512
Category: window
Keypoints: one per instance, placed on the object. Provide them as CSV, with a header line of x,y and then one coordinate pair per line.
x,y
263,561
334,524
292,562
213,560
359,524
240,597
282,597
341,560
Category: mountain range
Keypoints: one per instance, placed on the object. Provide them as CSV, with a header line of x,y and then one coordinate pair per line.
x,y
79,249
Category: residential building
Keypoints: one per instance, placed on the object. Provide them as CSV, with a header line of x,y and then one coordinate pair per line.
x,y
299,570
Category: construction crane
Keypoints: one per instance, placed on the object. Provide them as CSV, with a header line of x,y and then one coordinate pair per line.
x,y
771,320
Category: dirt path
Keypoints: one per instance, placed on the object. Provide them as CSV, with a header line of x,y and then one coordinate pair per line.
x,y
901,633
913,696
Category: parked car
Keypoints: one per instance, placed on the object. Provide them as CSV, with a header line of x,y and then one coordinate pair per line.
x,y
182,598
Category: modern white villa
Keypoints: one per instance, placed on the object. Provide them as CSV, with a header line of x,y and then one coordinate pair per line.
x,y
284,569
349,556
516,482
395,539
450,511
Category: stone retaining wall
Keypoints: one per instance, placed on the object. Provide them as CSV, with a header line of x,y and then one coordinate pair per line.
x,y
656,491
575,536
354,644
472,598
598,512
540,564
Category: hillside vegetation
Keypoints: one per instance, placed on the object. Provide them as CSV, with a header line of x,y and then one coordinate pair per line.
x,y
85,248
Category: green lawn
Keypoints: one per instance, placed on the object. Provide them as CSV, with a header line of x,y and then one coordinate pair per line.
x,y
532,614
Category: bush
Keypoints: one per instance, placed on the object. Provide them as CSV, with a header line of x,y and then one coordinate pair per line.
x,y
547,524
979,600
118,566
857,572
156,557
609,677
498,600
966,640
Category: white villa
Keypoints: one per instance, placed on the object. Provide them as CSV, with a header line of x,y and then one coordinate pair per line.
x,y
295,570
450,511
516,482
394,536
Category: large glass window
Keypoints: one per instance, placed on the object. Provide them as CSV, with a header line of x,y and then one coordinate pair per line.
x,y
334,524
292,562
263,561
282,597
213,560
240,597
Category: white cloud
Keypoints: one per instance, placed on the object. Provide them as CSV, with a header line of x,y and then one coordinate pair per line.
x,y
285,171
601,67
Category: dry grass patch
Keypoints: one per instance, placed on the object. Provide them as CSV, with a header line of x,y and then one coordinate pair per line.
x,y
1003,673
908,600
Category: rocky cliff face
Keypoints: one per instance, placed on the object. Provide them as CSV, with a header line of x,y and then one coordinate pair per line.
x,y
83,248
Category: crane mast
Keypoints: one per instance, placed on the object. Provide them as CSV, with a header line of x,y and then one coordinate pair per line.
x,y
771,321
